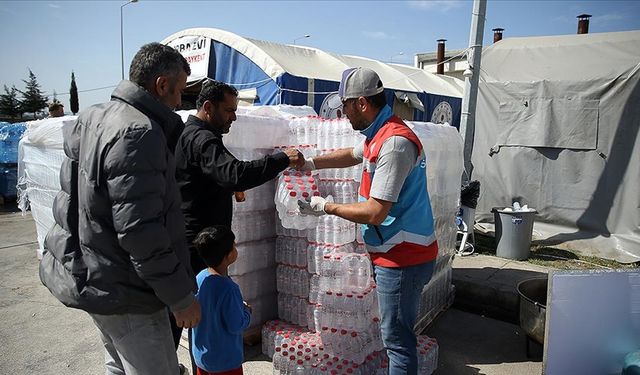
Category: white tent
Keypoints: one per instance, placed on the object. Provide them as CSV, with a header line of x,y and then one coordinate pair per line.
x,y
273,74
557,128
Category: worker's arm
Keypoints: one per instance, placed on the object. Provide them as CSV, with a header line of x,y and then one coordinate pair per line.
x,y
372,211
338,159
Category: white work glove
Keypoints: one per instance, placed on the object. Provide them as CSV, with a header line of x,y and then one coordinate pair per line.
x,y
315,207
309,165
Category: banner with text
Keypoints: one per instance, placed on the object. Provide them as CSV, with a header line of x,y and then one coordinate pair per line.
x,y
198,52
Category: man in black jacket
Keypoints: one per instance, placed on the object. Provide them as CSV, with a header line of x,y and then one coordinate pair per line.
x,y
208,173
118,249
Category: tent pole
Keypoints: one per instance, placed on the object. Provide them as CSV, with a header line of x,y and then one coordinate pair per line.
x,y
474,54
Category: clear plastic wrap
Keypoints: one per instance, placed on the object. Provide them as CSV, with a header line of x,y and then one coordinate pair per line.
x,y
40,155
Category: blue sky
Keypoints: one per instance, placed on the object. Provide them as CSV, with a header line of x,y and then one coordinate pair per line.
x,y
55,37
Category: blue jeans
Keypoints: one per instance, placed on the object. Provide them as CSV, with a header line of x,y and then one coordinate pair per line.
x,y
399,291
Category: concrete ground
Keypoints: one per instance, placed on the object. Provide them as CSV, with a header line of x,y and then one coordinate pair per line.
x,y
40,335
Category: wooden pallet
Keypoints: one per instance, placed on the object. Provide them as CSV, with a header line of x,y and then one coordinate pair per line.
x,y
252,336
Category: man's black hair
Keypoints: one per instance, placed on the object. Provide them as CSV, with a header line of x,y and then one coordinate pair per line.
x,y
154,60
214,243
214,91
377,100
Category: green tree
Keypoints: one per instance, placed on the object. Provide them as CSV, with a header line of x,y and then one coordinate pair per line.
x,y
73,91
33,99
9,102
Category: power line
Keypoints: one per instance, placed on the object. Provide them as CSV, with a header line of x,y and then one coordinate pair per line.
x,y
87,90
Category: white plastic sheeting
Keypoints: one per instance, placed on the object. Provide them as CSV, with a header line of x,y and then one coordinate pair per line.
x,y
40,156
443,149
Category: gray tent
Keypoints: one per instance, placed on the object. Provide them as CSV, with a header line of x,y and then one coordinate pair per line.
x,y
557,128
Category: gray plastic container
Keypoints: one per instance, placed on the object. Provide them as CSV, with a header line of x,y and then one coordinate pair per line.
x,y
513,233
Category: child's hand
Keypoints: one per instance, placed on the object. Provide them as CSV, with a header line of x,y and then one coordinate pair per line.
x,y
247,306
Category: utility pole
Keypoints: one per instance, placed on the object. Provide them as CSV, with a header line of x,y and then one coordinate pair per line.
x,y
122,34
472,77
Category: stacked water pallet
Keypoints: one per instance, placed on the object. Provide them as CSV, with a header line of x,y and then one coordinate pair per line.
x,y
443,148
330,300
254,270
40,156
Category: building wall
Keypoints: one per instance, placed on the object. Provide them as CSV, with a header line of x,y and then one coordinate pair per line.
x,y
452,68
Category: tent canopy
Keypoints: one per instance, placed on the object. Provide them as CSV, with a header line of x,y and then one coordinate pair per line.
x,y
297,75
557,128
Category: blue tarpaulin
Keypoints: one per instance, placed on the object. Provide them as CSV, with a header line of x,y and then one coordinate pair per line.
x,y
9,138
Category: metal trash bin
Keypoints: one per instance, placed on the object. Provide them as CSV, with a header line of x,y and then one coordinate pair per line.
x,y
513,232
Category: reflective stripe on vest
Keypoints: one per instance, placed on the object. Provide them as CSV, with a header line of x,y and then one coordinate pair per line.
x,y
399,238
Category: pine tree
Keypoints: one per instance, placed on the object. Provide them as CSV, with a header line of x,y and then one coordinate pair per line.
x,y
9,102
33,99
73,91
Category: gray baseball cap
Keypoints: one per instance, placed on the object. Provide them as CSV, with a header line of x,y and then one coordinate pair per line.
x,y
357,82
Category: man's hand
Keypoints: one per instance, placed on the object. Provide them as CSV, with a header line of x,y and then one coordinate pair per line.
x,y
315,207
309,165
296,159
189,317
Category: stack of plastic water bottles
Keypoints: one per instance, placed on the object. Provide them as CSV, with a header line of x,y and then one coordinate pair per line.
x,y
252,224
296,350
325,286
443,148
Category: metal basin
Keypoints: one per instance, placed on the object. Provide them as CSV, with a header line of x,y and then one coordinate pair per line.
x,y
533,307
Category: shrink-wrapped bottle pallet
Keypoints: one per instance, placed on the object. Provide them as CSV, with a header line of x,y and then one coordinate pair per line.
x,y
40,156
254,270
338,310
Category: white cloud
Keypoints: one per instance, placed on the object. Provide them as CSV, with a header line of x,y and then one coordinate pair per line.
x,y
54,6
439,5
380,35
